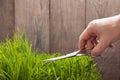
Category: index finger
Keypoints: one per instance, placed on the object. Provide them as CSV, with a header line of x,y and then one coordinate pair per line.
x,y
86,35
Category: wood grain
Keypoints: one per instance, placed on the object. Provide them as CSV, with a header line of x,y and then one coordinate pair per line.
x,y
32,18
110,59
67,21
6,18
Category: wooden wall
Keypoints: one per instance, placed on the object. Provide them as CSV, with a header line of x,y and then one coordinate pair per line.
x,y
6,18
67,21
55,25
32,18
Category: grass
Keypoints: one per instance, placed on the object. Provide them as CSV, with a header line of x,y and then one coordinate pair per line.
x,y
18,62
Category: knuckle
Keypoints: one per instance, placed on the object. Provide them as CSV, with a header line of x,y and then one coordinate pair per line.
x,y
93,23
95,53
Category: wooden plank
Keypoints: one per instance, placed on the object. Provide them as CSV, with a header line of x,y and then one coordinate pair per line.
x,y
32,18
6,18
67,21
110,59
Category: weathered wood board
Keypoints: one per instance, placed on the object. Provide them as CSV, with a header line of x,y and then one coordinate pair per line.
x,y
32,18
6,19
67,21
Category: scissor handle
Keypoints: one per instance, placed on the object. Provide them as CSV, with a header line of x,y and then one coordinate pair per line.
x,y
86,51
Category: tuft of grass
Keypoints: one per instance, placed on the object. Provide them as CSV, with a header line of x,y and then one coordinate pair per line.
x,y
18,62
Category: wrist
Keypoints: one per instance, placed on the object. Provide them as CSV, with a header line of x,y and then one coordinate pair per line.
x,y
118,25
117,21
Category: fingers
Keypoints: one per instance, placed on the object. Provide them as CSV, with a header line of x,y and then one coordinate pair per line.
x,y
90,44
101,46
97,47
87,39
83,39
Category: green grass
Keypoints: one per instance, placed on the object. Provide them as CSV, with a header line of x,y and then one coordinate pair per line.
x,y
18,62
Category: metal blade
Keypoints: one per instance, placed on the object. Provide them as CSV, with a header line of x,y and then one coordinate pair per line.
x,y
76,53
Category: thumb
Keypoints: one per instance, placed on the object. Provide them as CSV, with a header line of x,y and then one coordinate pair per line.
x,y
100,47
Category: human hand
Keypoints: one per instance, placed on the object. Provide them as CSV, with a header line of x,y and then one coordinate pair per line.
x,y
100,34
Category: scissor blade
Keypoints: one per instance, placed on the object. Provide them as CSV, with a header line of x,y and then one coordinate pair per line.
x,y
65,56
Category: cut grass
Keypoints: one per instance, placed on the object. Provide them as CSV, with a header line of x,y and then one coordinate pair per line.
x,y
18,62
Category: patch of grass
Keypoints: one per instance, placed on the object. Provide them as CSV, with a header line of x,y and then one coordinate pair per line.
x,y
18,62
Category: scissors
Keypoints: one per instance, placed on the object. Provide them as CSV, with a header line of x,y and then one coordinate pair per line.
x,y
85,52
